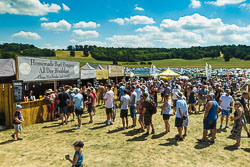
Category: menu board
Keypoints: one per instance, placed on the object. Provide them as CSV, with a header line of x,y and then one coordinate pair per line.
x,y
18,91
115,71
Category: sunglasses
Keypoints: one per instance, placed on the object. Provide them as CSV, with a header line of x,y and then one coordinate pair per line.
x,y
236,104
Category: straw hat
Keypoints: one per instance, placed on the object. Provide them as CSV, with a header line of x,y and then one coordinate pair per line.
x,y
50,91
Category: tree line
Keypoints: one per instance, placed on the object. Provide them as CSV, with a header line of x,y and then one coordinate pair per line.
x,y
10,50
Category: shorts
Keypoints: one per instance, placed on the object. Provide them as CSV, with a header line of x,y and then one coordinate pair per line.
x,y
100,97
174,103
79,112
166,116
162,94
201,102
124,113
225,112
147,120
133,112
109,111
63,110
185,122
18,127
178,122
209,124
141,117
71,109
90,108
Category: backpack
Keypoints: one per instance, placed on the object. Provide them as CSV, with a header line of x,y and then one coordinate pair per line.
x,y
152,107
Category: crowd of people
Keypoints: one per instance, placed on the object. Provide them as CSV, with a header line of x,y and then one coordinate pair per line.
x,y
139,99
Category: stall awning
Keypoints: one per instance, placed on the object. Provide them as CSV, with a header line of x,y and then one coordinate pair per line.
x,y
7,67
88,72
169,73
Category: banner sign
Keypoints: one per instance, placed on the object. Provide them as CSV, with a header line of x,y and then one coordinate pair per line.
x,y
142,73
88,74
18,91
36,69
102,74
116,71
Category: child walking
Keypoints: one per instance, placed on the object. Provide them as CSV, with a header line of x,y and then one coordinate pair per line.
x,y
18,120
78,156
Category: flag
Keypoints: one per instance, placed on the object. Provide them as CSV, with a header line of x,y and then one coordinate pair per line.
x,y
210,71
206,69
227,75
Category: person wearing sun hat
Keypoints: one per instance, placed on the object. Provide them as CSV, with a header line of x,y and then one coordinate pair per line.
x,y
18,120
181,109
78,156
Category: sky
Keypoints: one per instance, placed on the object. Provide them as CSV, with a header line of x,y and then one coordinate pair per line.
x,y
56,24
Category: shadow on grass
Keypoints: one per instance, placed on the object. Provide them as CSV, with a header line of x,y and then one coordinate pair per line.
x,y
231,137
7,142
115,130
85,116
171,142
221,130
246,149
67,131
231,148
158,135
131,132
53,126
201,145
138,138
100,123
98,127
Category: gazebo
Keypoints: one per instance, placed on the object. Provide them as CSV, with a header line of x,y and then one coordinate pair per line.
x,y
168,74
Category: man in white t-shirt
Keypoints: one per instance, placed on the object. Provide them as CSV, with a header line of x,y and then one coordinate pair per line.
x,y
109,98
226,104
175,98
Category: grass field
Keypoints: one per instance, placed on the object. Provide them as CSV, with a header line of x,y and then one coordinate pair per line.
x,y
44,145
216,63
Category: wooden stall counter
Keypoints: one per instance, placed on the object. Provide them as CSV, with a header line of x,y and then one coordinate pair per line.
x,y
34,112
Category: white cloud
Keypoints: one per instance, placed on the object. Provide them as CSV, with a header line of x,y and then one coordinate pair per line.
x,y
83,24
62,25
138,8
224,2
119,21
195,4
85,34
129,41
97,43
43,19
187,31
134,20
27,35
50,46
27,7
73,41
65,7
245,6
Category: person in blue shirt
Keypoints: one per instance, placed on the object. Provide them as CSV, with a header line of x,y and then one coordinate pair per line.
x,y
210,118
121,89
78,156
78,105
181,109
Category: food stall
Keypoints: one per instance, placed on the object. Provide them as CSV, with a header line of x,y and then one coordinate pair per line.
x,y
43,74
88,74
116,72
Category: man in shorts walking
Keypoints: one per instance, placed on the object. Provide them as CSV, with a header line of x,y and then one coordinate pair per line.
x,y
132,103
210,118
124,108
18,122
226,103
78,106
147,114
90,104
202,99
109,98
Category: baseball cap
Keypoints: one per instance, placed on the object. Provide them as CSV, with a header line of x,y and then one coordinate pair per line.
x,y
211,95
19,107
78,144
137,85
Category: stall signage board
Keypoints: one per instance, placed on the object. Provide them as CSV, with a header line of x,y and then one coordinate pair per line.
x,y
102,74
116,71
36,69
88,74
18,91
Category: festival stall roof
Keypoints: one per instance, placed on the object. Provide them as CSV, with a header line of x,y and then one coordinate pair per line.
x,y
88,72
7,70
97,67
32,69
168,74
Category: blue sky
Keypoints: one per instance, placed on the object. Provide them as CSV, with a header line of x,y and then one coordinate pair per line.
x,y
125,23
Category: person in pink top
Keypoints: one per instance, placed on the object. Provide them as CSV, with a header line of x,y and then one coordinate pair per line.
x,y
94,100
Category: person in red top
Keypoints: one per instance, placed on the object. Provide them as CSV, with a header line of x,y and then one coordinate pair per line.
x,y
94,99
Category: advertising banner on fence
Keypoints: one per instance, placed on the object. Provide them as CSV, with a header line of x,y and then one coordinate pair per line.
x,y
102,74
36,69
116,71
